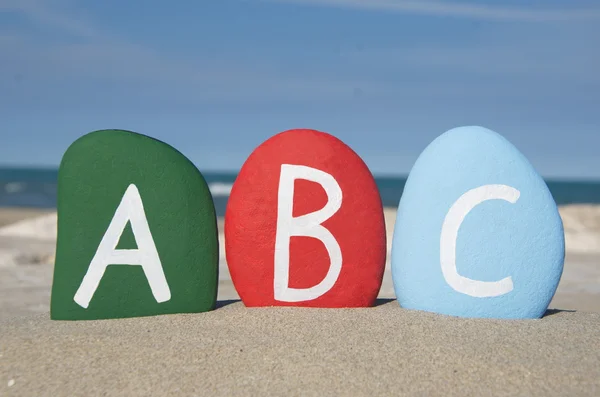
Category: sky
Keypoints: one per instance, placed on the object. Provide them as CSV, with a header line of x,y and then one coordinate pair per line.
x,y
215,79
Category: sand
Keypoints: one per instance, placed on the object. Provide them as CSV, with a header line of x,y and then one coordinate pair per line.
x,y
231,351
582,228
236,351
11,215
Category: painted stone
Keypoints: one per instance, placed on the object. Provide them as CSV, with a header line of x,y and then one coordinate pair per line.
x,y
478,233
304,225
137,231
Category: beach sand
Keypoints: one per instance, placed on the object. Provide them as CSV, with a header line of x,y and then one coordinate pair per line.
x,y
237,351
12,215
233,350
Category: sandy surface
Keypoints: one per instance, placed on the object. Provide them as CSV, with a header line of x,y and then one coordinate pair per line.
x,y
582,228
12,215
310,352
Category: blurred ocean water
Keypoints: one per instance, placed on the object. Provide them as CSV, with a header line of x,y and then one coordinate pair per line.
x,y
36,188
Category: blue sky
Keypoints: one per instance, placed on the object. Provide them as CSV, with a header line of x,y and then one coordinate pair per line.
x,y
216,78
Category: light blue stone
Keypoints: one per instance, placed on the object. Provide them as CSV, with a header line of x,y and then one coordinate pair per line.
x,y
509,251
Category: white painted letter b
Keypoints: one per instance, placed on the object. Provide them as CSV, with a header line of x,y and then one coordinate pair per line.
x,y
309,225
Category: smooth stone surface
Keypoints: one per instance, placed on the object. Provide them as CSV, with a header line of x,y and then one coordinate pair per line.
x,y
344,199
466,250
99,172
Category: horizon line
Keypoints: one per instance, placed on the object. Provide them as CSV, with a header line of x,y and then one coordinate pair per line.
x,y
385,174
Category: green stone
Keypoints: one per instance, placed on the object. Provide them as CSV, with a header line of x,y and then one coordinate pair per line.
x,y
154,214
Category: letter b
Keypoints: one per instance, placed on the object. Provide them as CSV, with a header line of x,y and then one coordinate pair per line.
x,y
309,225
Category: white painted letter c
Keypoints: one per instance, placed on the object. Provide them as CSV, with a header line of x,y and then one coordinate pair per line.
x,y
452,222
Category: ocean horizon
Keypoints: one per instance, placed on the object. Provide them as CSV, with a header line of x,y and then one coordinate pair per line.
x,y
37,187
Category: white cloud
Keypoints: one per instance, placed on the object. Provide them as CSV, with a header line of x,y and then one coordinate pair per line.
x,y
459,9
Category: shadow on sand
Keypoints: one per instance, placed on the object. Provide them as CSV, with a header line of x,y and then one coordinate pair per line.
x,y
380,302
223,303
551,312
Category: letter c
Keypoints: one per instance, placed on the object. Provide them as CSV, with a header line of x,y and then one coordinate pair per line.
x,y
452,222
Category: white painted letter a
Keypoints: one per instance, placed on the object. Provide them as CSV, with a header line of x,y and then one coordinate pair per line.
x,y
131,209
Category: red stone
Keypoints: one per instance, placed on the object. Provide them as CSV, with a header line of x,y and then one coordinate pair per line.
x,y
358,225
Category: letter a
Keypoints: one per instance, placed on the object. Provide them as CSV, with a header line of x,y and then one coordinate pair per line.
x,y
308,225
130,209
454,218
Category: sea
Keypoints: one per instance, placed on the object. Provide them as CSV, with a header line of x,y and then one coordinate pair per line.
x,y
36,188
